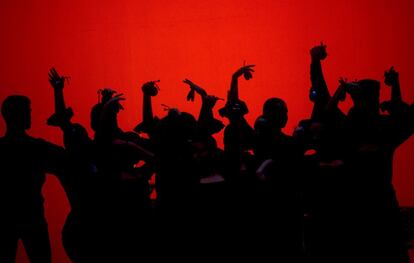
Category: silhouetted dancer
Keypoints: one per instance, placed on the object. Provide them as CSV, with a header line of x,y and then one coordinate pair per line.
x,y
374,231
323,139
208,157
318,95
82,231
147,127
209,166
239,168
281,216
238,134
177,184
127,187
149,122
24,162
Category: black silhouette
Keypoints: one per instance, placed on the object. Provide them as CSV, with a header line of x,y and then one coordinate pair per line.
x,y
238,135
149,122
374,231
241,218
319,93
323,194
206,120
212,197
25,161
324,190
176,184
80,180
126,186
280,157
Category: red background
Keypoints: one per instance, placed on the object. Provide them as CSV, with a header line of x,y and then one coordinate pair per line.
x,y
121,44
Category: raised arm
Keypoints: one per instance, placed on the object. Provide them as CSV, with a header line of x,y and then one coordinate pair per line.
x,y
319,92
194,88
396,104
62,115
392,80
206,117
339,95
401,114
149,90
234,106
233,94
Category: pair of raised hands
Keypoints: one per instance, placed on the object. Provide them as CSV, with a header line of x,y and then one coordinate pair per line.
x,y
391,78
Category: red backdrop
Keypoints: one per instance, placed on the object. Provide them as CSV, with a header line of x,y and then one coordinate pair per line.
x,y
121,44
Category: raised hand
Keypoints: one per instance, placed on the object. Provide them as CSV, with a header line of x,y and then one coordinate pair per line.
x,y
151,88
62,115
391,77
319,52
194,88
56,80
246,71
191,93
189,82
396,104
342,89
340,94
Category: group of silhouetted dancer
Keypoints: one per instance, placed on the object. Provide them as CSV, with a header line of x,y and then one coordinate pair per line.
x,y
323,194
